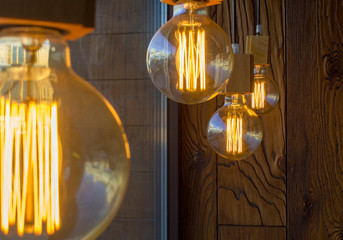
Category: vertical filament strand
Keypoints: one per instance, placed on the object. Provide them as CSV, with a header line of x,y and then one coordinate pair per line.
x,y
29,166
191,64
234,134
257,100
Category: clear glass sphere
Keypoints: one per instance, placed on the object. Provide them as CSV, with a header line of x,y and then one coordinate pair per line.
x,y
234,131
266,93
189,59
63,152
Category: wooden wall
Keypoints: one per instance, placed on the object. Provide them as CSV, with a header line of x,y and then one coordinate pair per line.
x,y
112,58
235,200
315,119
272,195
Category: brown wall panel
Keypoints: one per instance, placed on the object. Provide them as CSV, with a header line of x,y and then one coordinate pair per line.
x,y
315,119
251,191
251,233
197,175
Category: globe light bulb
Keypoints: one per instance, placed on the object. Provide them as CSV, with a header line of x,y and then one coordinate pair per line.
x,y
234,131
189,59
64,156
266,94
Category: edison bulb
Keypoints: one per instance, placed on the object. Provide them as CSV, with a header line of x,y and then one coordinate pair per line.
x,y
234,131
64,156
189,59
266,94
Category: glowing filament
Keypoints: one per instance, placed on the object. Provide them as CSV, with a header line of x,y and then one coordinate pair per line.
x,y
234,134
29,166
191,60
259,95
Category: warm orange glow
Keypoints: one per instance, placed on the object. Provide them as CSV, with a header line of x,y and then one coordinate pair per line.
x,y
234,134
29,166
191,60
258,95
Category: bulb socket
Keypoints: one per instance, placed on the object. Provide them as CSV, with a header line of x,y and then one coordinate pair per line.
x,y
259,47
242,76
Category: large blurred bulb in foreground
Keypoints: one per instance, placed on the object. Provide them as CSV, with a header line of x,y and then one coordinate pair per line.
x,y
64,156
234,131
266,94
190,57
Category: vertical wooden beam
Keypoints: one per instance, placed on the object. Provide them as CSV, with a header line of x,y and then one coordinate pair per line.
x,y
315,119
251,233
198,202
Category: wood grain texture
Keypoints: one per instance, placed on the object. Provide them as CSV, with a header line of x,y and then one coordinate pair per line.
x,y
241,79
253,191
251,233
249,192
315,119
197,178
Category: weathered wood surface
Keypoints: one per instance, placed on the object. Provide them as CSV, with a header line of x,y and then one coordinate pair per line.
x,y
253,191
198,202
251,233
315,119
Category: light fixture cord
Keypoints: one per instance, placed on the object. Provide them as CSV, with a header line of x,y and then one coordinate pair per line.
x,y
235,45
233,21
259,27
258,13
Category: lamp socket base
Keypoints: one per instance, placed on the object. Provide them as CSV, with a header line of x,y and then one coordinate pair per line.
x,y
259,47
242,76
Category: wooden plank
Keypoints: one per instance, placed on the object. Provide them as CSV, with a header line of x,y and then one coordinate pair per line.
x,y
139,201
114,92
315,119
135,56
129,229
129,17
111,56
110,17
251,233
141,139
253,191
241,79
197,193
99,57
139,102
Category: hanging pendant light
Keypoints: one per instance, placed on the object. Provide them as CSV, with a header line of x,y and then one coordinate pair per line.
x,y
189,59
235,130
266,93
64,157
